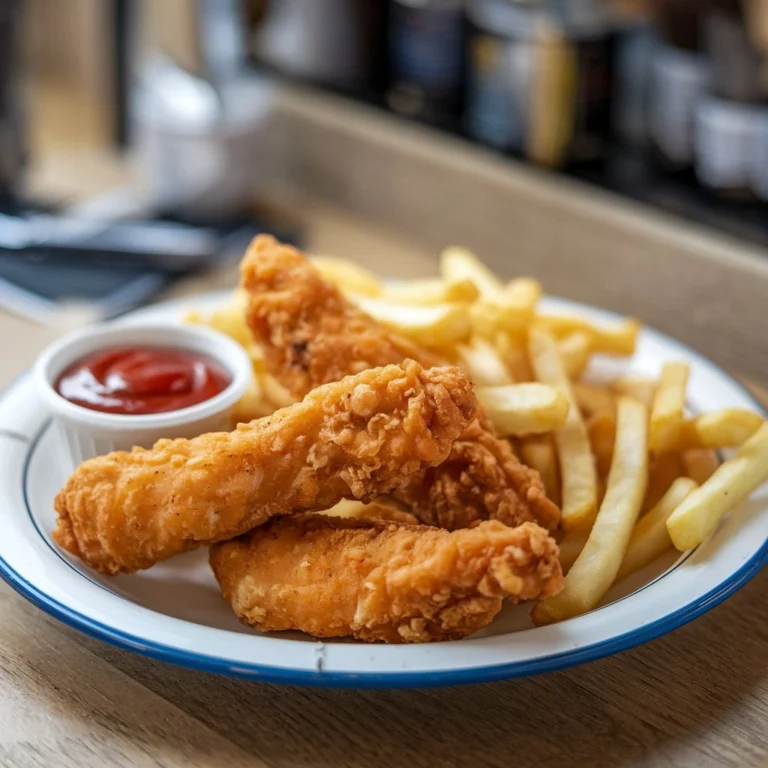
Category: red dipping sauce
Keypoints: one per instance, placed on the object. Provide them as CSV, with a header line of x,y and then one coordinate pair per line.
x,y
141,380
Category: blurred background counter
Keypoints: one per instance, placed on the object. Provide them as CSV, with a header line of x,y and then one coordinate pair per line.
x,y
387,130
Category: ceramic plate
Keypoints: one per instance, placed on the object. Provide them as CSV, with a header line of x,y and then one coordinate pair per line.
x,y
174,611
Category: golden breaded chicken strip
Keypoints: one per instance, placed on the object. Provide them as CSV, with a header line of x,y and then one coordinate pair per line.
x,y
312,335
380,581
357,438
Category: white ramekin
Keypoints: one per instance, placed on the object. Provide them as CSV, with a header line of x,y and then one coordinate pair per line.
x,y
86,433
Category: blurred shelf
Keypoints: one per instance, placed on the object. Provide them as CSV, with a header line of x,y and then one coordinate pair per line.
x,y
624,171
631,173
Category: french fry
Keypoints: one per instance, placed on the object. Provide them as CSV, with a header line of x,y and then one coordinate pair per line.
x,y
601,429
523,293
698,516
575,350
650,537
381,509
229,319
461,264
258,359
483,363
664,469
512,310
618,339
252,405
508,307
433,326
514,444
601,489
668,407
728,428
449,353
430,291
593,399
700,465
524,409
346,508
570,548
596,567
347,275
513,350
577,465
641,389
488,318
538,452
274,392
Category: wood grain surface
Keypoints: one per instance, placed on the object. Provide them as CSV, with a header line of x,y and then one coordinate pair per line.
x,y
695,698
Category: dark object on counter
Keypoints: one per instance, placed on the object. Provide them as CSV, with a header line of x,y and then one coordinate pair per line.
x,y
679,80
679,22
123,19
728,124
39,274
426,57
736,64
634,56
158,245
538,87
331,42
13,150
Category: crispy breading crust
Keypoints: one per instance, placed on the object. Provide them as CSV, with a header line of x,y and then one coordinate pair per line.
x,y
311,335
356,438
380,581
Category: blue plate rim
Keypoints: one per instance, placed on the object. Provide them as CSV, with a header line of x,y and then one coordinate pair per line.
x,y
371,680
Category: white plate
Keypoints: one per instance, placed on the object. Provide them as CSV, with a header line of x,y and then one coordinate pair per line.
x,y
174,611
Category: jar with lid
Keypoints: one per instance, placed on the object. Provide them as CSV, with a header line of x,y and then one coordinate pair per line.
x,y
540,80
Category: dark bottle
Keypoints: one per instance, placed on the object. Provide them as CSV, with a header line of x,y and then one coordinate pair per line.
x,y
426,58
540,84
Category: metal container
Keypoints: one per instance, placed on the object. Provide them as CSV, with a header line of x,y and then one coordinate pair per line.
x,y
322,40
539,82
728,135
679,80
635,49
203,151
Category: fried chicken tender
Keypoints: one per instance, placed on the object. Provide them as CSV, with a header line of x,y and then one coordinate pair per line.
x,y
380,581
357,438
312,334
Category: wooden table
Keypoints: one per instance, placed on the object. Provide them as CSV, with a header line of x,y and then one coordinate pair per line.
x,y
697,697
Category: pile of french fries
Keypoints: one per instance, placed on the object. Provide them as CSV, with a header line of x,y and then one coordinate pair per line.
x,y
634,474
265,394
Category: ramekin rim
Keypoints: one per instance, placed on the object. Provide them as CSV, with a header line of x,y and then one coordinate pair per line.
x,y
221,348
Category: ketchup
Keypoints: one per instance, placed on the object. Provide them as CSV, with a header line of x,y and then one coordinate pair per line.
x,y
140,380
